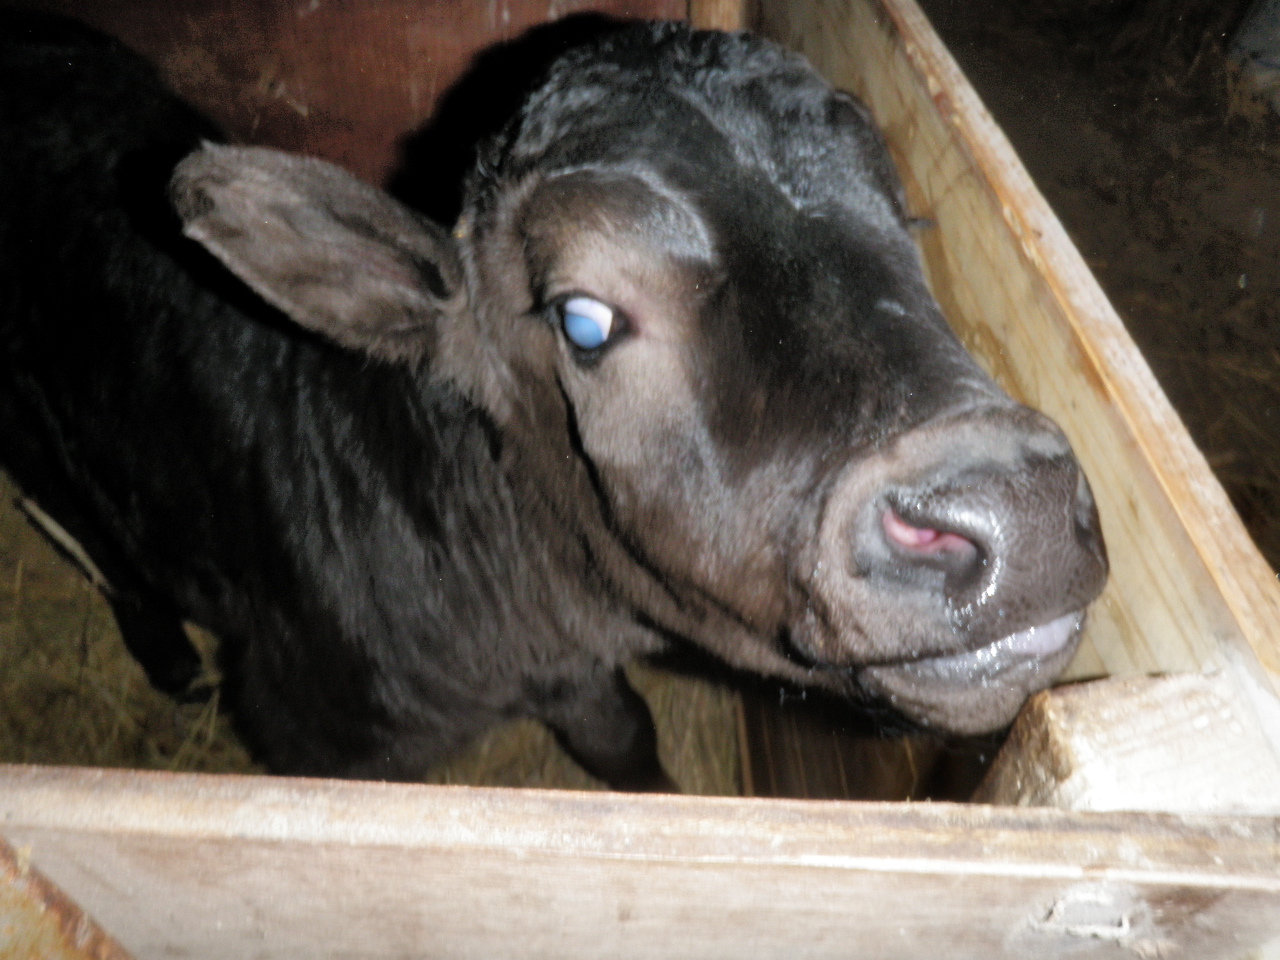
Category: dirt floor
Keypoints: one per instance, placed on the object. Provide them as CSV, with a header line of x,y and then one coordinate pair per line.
x,y
1174,202
1172,193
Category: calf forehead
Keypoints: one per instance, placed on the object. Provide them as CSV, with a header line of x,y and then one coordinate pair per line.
x,y
742,135
702,107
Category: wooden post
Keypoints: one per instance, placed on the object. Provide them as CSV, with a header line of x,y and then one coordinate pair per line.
x,y
1185,743
718,14
1189,592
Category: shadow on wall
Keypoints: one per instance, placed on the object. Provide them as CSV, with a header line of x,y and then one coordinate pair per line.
x,y
436,159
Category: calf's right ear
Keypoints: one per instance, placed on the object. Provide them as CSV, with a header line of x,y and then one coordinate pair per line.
x,y
336,255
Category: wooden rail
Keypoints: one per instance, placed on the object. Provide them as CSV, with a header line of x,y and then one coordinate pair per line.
x,y
234,867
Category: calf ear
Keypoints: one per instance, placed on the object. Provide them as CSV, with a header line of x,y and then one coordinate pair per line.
x,y
336,255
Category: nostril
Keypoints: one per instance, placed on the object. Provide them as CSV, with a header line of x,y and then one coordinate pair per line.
x,y
925,541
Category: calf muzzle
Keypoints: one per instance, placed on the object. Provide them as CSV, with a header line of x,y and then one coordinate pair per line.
x,y
954,566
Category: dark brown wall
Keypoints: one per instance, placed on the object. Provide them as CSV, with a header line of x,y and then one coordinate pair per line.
x,y
341,79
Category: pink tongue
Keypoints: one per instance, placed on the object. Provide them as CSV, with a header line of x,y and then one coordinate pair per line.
x,y
922,539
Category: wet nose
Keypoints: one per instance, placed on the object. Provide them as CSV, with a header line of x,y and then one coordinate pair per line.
x,y
999,524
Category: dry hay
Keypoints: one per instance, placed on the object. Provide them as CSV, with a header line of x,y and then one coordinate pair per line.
x,y
72,694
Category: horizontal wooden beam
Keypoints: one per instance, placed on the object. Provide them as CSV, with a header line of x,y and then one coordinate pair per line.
x,y
213,866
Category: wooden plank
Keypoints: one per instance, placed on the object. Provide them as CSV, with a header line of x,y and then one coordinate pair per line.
x,y
230,867
39,920
718,14
1188,590
814,748
1184,743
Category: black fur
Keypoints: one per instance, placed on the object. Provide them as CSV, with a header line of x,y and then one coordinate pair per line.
x,y
410,510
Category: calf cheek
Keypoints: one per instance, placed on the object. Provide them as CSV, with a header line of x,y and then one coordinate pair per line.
x,y
664,484
640,432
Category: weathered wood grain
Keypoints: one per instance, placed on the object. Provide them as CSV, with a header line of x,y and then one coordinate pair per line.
x,y
1181,743
233,867
718,14
37,920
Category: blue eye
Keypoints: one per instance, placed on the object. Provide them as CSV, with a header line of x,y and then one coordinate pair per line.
x,y
587,323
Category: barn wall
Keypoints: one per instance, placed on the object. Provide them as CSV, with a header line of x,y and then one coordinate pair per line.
x,y
341,79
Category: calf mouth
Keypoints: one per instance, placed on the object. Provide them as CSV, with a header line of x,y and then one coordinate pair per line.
x,y
988,663
980,690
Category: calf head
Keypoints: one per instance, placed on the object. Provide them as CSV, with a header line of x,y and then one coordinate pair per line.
x,y
683,288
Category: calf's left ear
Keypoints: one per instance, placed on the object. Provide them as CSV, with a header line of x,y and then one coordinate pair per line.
x,y
336,255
